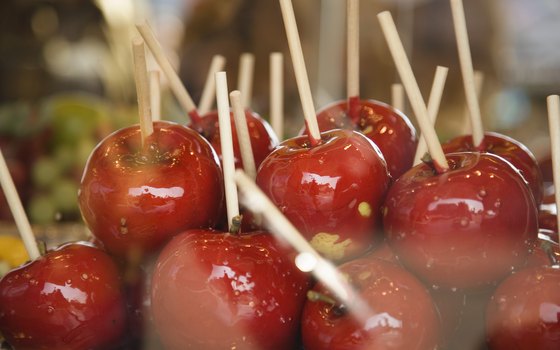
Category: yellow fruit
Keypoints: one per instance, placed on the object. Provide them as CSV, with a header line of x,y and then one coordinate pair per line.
x,y
12,250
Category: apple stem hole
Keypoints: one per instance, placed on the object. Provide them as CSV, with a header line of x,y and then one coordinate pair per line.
x,y
235,226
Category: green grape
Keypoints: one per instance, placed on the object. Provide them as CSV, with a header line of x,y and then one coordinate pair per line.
x,y
44,172
41,210
65,157
65,196
84,149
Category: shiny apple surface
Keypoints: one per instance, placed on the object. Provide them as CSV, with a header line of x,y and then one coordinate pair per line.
x,y
134,197
465,228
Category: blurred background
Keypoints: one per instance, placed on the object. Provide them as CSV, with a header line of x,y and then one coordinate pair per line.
x,y
67,80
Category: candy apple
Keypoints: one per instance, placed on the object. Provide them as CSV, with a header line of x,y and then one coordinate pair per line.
x,y
216,290
388,127
134,197
69,298
523,312
464,228
403,314
331,192
263,139
506,147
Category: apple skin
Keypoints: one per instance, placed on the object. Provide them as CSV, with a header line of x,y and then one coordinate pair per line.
x,y
404,314
523,312
539,255
134,203
511,150
465,228
215,290
70,298
330,192
263,138
388,127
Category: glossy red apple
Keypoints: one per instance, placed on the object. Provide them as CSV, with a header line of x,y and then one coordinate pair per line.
x,y
134,198
404,316
465,228
215,290
263,139
69,298
388,127
331,192
524,312
506,147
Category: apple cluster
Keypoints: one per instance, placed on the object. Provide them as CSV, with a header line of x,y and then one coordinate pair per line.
x,y
415,243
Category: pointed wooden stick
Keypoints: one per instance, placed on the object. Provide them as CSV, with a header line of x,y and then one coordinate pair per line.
x,y
228,163
353,48
245,78
155,94
277,93
397,96
142,88
22,222
300,71
433,108
209,91
175,82
553,106
412,90
478,82
243,136
465,60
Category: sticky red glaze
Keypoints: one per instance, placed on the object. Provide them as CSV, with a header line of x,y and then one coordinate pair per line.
x,y
465,228
136,202
524,311
404,316
388,127
70,298
512,150
263,139
212,290
320,189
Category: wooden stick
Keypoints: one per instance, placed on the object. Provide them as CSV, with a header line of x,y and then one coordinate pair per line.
x,y
255,200
478,82
155,94
397,96
209,91
465,60
228,163
22,222
175,83
553,106
353,48
433,108
300,71
142,88
243,136
245,78
277,93
412,90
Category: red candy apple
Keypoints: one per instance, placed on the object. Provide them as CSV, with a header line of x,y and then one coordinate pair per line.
x,y
331,192
263,139
389,128
404,316
134,197
464,228
215,290
524,311
546,250
511,150
69,298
